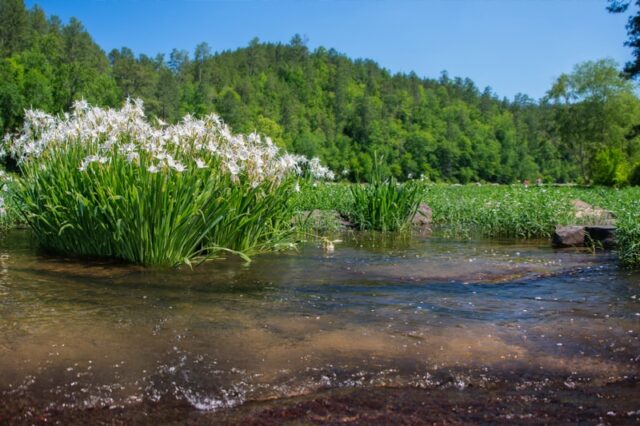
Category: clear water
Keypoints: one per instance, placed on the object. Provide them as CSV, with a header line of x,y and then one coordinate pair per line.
x,y
378,312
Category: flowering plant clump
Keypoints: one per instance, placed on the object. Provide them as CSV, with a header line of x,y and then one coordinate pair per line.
x,y
107,182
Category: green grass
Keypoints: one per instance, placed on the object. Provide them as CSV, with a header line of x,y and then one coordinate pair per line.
x,y
384,205
107,183
170,218
516,211
500,211
625,203
381,205
166,218
496,211
335,196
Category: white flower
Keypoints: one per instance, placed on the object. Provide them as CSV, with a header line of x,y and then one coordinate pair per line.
x,y
132,156
297,187
126,133
178,167
80,105
233,168
87,160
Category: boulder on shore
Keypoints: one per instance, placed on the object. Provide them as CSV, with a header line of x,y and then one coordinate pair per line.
x,y
602,234
581,236
568,236
587,212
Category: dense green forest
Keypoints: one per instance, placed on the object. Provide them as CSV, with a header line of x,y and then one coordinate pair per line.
x,y
322,103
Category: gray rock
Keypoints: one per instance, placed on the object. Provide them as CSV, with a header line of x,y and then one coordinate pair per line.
x,y
580,236
568,236
587,213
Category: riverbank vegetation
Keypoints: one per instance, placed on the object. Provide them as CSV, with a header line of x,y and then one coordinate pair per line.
x,y
505,211
460,211
109,183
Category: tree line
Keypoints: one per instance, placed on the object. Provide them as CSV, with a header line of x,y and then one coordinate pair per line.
x,y
322,103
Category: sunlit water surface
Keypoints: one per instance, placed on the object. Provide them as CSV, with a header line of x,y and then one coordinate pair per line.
x,y
378,312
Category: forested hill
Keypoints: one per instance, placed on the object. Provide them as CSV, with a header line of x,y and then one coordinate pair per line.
x,y
318,103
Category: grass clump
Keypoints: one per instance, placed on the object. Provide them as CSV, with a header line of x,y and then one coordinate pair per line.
x,y
109,183
383,204
628,236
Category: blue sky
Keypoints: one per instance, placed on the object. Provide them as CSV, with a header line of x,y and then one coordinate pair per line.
x,y
511,45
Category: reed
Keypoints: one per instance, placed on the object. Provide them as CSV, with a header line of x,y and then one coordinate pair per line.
x,y
383,204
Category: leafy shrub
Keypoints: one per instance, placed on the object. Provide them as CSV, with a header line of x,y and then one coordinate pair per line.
x,y
108,183
610,168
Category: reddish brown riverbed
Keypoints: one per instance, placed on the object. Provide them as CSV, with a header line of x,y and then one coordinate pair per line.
x,y
383,330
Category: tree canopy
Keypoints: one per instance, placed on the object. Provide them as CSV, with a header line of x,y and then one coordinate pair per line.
x,y
631,68
322,103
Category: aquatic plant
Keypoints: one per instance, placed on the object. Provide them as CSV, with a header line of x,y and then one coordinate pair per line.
x,y
106,182
533,212
383,204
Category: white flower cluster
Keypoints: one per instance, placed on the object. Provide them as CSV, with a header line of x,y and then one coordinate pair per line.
x,y
192,143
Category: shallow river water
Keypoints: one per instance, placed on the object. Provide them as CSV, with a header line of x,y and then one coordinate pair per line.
x,y
382,330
